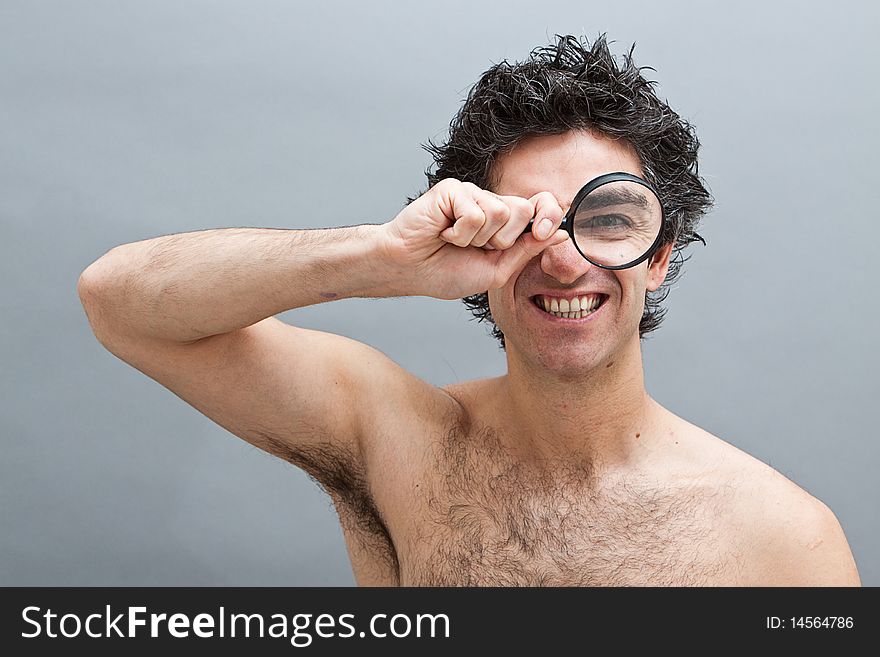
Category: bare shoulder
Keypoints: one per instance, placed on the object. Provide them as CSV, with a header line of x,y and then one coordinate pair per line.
x,y
796,538
786,536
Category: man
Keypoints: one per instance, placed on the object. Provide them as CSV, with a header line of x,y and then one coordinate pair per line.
x,y
564,471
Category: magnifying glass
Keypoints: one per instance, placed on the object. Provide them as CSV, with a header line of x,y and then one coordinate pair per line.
x,y
615,220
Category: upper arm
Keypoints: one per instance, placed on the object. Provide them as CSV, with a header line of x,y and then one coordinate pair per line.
x,y
310,397
806,546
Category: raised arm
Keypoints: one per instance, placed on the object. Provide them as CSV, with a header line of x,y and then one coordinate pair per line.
x,y
194,311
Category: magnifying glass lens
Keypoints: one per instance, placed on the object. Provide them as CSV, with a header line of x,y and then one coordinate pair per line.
x,y
617,223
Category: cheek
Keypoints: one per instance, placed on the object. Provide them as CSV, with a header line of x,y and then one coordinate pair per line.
x,y
496,306
633,286
500,304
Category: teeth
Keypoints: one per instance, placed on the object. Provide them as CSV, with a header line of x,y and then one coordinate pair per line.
x,y
577,308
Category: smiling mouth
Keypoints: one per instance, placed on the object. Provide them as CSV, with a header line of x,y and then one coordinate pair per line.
x,y
576,308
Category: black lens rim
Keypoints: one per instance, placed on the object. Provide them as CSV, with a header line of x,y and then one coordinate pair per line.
x,y
595,183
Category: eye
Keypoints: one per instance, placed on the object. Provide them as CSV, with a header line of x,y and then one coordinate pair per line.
x,y
605,221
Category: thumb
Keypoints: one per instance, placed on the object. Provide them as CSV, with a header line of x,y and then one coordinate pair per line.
x,y
524,249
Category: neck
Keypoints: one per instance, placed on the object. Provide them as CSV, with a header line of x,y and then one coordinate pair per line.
x,y
601,414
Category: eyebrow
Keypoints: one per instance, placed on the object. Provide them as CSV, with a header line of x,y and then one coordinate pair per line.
x,y
607,197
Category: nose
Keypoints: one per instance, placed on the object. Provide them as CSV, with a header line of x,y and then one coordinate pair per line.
x,y
564,262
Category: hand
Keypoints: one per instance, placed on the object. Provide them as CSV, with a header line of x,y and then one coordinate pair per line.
x,y
457,239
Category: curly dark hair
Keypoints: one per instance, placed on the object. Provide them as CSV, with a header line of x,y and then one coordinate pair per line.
x,y
575,86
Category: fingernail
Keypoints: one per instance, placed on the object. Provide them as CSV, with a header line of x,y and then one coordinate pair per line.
x,y
544,227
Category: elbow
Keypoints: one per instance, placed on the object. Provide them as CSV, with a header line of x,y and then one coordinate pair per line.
x,y
87,284
95,276
93,282
94,291
88,289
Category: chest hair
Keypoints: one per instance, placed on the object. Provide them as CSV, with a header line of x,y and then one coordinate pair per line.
x,y
491,520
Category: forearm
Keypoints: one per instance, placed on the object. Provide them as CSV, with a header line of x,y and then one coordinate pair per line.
x,y
192,285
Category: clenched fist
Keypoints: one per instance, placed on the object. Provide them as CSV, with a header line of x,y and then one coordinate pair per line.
x,y
457,239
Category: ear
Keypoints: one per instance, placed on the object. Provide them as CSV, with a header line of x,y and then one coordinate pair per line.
x,y
658,265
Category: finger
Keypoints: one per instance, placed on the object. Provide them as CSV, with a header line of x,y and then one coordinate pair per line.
x,y
524,249
468,219
548,215
521,212
497,215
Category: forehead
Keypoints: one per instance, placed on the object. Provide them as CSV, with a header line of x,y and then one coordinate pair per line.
x,y
561,164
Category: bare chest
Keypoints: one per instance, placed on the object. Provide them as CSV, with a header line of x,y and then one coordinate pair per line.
x,y
475,517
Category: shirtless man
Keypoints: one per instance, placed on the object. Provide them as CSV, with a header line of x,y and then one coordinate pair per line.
x,y
564,471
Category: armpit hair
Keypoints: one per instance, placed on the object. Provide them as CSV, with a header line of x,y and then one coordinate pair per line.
x,y
339,473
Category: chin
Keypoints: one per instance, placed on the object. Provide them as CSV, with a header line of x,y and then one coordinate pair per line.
x,y
571,362
576,357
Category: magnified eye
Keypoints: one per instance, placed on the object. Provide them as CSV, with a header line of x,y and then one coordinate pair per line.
x,y
606,221
616,220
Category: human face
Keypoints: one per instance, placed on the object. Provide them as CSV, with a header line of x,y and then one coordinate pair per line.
x,y
562,164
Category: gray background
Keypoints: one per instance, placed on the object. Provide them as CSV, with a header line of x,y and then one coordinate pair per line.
x,y
121,121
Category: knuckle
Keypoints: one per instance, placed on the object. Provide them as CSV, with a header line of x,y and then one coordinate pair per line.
x,y
496,211
471,220
522,206
503,210
544,198
444,187
541,199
